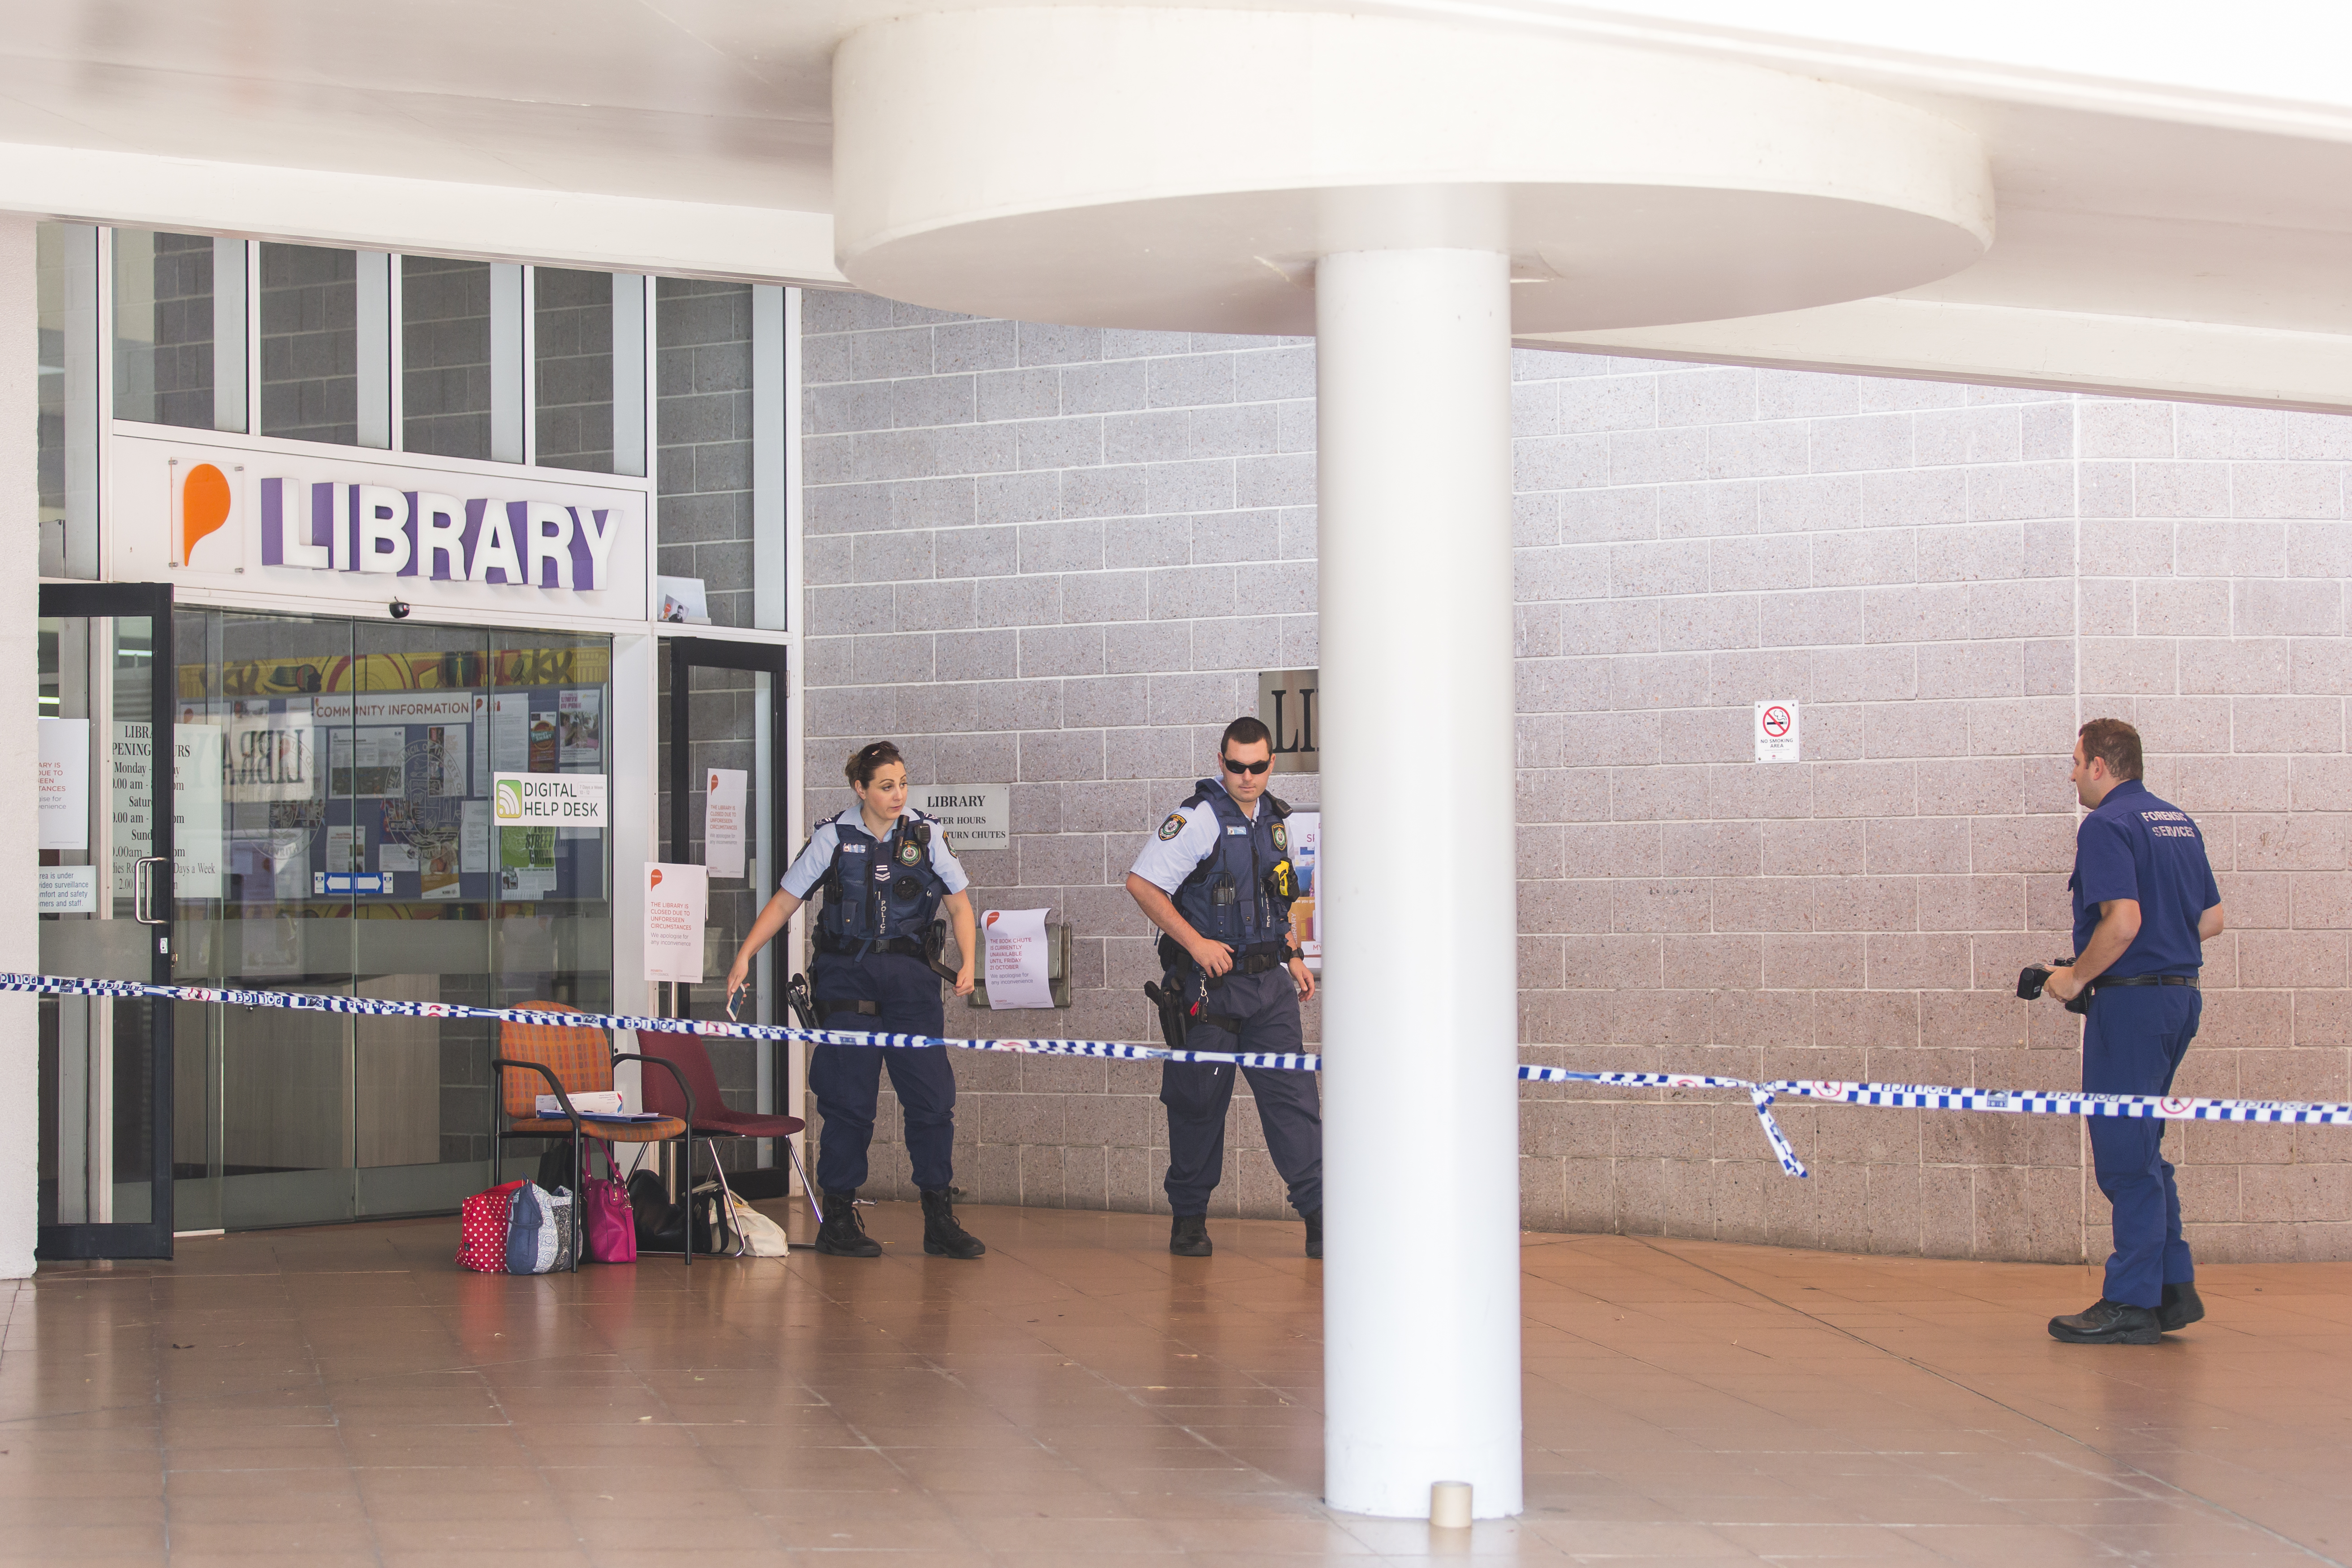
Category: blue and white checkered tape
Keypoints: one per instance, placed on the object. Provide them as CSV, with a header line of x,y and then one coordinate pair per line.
x,y
1760,1095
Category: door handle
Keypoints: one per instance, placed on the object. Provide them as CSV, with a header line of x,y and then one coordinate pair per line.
x,y
143,891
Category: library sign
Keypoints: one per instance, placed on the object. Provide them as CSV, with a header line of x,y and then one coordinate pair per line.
x,y
278,519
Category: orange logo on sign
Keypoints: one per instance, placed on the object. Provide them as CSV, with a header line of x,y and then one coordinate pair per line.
x,y
204,503
656,881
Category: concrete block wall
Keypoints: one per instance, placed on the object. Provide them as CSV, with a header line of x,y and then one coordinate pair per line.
x,y
1057,558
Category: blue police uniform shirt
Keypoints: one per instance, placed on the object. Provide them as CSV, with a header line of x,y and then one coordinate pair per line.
x,y
1169,857
2133,846
808,868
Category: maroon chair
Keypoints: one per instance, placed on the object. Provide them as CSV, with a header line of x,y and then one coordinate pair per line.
x,y
711,1118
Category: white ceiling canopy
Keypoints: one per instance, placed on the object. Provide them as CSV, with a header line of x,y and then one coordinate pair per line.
x,y
2172,190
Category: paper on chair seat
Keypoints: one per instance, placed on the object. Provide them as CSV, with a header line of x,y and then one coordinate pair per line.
x,y
607,1102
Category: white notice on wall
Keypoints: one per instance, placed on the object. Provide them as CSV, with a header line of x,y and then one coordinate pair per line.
x,y
676,897
1775,731
65,785
722,821
1017,959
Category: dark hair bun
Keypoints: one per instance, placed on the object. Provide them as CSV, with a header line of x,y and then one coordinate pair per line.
x,y
868,760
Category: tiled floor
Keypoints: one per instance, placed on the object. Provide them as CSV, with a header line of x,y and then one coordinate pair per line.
x,y
349,1395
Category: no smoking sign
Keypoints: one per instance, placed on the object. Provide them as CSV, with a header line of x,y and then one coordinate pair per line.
x,y
1775,731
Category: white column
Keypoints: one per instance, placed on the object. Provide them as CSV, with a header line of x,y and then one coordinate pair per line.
x,y
1421,1287
20,944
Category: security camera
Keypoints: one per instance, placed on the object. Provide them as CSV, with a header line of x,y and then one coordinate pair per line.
x,y
400,609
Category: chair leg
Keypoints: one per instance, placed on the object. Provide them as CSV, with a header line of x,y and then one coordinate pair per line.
x,y
686,1147
808,1188
579,1184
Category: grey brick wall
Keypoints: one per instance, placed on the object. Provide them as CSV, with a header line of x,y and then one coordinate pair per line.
x,y
1057,557
310,344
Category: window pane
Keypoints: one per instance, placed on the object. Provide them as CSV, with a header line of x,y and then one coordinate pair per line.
x,y
446,379
310,344
66,268
572,326
179,330
702,418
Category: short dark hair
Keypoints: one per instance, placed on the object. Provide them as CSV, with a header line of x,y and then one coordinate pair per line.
x,y
2114,743
1246,731
869,760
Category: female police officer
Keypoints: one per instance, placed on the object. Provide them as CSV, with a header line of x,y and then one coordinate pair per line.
x,y
885,872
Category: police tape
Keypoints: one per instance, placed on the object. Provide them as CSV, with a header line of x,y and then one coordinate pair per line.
x,y
1760,1095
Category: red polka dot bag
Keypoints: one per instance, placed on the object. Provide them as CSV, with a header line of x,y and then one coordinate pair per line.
x,y
518,1227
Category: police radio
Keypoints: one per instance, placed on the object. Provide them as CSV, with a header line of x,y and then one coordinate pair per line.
x,y
2034,976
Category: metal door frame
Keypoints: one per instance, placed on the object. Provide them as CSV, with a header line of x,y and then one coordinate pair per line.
x,y
153,600
772,659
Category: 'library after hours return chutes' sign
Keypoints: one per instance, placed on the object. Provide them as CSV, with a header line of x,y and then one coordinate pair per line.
x,y
282,518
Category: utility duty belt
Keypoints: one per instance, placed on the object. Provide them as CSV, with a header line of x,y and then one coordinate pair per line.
x,y
2189,980
1176,1019
933,944
2033,976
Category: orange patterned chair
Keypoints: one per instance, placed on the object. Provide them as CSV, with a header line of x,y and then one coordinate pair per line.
x,y
547,1058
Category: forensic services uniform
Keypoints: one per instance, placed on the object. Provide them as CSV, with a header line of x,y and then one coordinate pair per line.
x,y
2144,1011
1219,866
881,896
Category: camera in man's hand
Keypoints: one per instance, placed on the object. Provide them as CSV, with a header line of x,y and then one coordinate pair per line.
x,y
2034,976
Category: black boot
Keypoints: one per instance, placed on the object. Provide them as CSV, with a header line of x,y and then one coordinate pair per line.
x,y
2106,1322
1188,1237
842,1233
943,1238
1315,1233
2182,1306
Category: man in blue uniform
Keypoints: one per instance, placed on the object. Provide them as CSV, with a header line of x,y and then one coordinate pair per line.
x,y
2145,905
1217,880
885,872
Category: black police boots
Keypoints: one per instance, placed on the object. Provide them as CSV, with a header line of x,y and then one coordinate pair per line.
x,y
842,1233
1188,1237
2106,1322
2182,1306
943,1237
1315,1233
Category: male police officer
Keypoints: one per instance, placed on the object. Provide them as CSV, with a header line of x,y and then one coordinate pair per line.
x,y
1217,880
2145,904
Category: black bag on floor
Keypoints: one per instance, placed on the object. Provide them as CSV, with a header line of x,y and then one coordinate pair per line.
x,y
661,1224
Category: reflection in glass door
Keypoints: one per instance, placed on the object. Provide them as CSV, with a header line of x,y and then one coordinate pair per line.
x,y
104,890
359,859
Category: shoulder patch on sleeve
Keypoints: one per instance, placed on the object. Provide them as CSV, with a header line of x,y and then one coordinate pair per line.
x,y
1172,827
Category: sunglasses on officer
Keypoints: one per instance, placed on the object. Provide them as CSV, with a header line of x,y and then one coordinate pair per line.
x,y
1257,767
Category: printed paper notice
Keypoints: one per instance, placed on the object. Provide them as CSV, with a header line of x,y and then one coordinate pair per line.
x,y
65,785
1775,731
68,890
676,898
722,821
1017,959
1306,828
474,837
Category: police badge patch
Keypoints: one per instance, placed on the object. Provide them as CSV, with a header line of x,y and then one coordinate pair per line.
x,y
911,854
1173,826
1281,840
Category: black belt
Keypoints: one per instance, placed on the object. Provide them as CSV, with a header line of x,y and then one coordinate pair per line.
x,y
1255,959
827,1009
2187,980
904,944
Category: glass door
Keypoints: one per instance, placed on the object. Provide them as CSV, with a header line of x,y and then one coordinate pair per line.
x,y
109,860
358,858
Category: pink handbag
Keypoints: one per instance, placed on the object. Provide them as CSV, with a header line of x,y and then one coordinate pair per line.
x,y
611,1224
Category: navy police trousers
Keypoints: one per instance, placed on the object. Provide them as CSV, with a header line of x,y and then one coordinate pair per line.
x,y
1197,1095
847,1079
2132,1043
